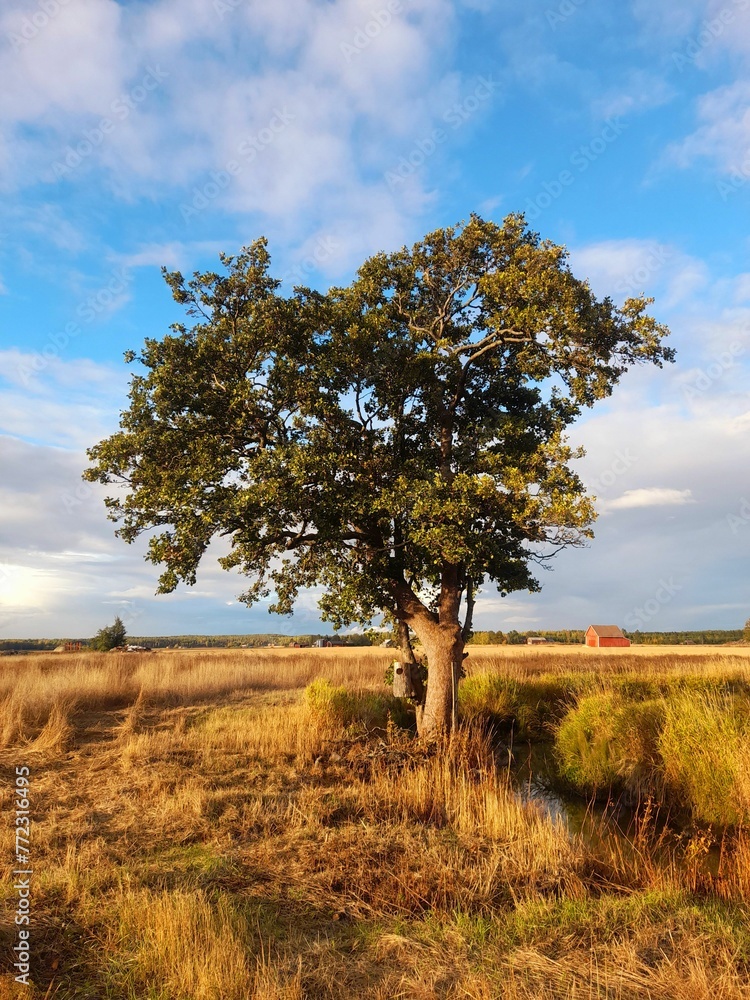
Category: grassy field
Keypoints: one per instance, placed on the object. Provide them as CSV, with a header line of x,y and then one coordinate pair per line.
x,y
259,823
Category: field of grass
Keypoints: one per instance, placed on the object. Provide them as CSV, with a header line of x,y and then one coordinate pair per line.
x,y
214,825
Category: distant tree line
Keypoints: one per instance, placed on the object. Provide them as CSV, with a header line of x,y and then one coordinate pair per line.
x,y
34,645
185,641
238,641
515,638
705,637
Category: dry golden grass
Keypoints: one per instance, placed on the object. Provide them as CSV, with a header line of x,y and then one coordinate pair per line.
x,y
202,830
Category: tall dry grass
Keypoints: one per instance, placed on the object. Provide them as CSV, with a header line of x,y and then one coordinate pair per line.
x,y
203,828
30,687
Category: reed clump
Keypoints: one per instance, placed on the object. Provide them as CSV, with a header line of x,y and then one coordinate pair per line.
x,y
689,750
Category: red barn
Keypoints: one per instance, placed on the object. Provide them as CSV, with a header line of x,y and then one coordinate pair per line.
x,y
605,635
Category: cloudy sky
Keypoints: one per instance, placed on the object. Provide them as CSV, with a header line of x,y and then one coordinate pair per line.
x,y
141,134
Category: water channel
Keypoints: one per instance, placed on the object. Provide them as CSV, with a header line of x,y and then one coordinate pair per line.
x,y
609,824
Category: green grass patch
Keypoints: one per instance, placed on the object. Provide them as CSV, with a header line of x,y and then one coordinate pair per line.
x,y
344,707
608,742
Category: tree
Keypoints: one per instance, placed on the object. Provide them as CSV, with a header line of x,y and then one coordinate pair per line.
x,y
109,637
746,631
399,441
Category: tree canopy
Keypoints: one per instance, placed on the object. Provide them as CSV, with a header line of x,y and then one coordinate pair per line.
x,y
109,637
399,441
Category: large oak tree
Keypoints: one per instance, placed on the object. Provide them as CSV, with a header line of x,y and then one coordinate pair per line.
x,y
400,441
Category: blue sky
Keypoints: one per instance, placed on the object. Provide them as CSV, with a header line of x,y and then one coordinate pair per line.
x,y
135,135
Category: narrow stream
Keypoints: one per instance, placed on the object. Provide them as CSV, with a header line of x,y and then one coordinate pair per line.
x,y
613,824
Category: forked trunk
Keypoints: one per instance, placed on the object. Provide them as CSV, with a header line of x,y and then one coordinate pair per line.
x,y
443,642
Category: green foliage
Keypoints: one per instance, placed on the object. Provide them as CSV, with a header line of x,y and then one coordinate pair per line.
x,y
489,638
32,645
574,636
606,742
335,704
110,637
705,747
341,707
400,434
703,637
689,747
489,696
211,641
529,710
746,631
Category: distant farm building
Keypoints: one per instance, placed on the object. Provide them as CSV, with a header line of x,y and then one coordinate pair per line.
x,y
329,643
536,640
69,647
605,635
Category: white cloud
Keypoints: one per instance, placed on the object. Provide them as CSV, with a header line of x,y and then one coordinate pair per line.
x,y
740,424
651,496
639,92
69,403
723,136
673,19
175,254
322,107
630,267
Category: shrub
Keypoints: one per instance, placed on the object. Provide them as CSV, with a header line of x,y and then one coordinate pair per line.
x,y
532,707
331,703
705,747
605,742
488,696
340,707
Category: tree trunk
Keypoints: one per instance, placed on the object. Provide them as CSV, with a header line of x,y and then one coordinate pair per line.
x,y
444,647
407,682
442,640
